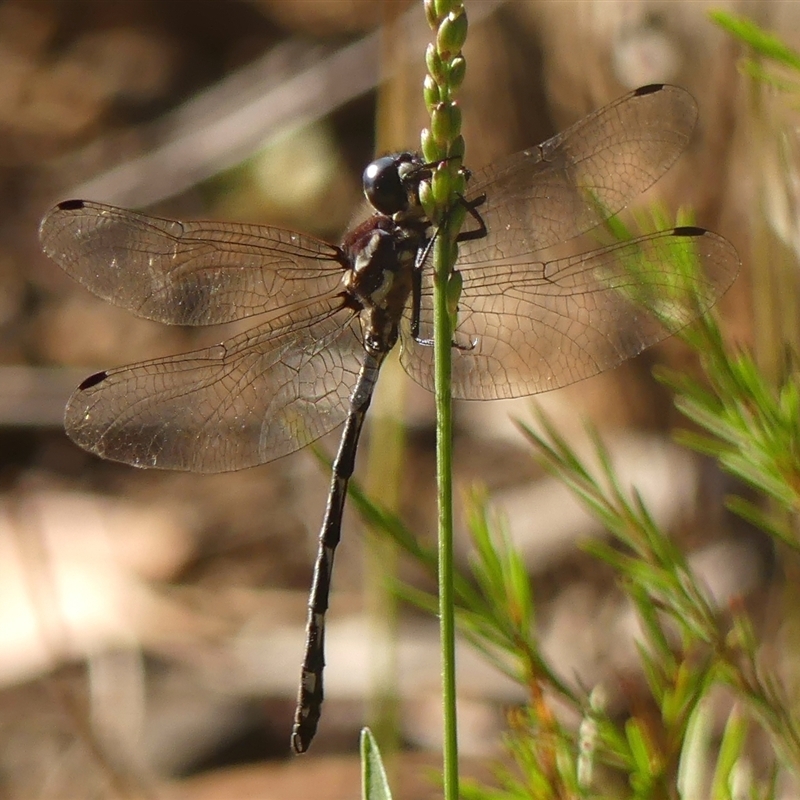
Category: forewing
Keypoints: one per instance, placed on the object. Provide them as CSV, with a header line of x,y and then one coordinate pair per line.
x,y
251,399
188,273
528,327
582,176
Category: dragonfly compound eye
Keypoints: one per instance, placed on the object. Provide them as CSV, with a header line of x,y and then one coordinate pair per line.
x,y
384,187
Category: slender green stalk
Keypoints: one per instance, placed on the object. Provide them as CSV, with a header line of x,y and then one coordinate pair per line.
x,y
442,145
444,475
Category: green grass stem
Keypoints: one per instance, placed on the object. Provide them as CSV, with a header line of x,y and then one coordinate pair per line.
x,y
442,145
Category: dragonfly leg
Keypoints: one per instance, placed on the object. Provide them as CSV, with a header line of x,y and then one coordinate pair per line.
x,y
471,207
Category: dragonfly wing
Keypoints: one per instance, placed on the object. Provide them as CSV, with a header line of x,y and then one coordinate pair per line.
x,y
528,327
246,401
582,176
187,273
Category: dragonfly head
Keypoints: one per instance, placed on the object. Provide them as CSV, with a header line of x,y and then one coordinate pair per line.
x,y
391,183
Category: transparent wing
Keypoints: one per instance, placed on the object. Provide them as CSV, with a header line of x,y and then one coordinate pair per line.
x,y
582,176
253,398
187,273
526,327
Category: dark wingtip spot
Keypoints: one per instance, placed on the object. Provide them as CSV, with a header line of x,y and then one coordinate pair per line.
x,y
689,230
70,205
93,380
651,88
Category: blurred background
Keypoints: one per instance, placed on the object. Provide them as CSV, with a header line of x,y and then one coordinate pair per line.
x,y
152,624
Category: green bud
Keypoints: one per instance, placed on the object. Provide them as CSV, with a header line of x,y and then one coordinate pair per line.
x,y
457,148
431,14
445,7
430,91
436,67
426,199
442,186
457,216
446,122
440,124
457,72
452,33
455,117
432,151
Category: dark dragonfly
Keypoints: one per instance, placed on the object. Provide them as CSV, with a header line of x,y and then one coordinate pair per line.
x,y
530,318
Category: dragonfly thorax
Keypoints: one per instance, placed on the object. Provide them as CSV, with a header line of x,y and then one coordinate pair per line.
x,y
382,255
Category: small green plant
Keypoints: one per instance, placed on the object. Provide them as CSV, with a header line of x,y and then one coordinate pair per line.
x,y
374,783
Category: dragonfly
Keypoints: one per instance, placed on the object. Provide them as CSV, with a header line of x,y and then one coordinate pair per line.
x,y
529,319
